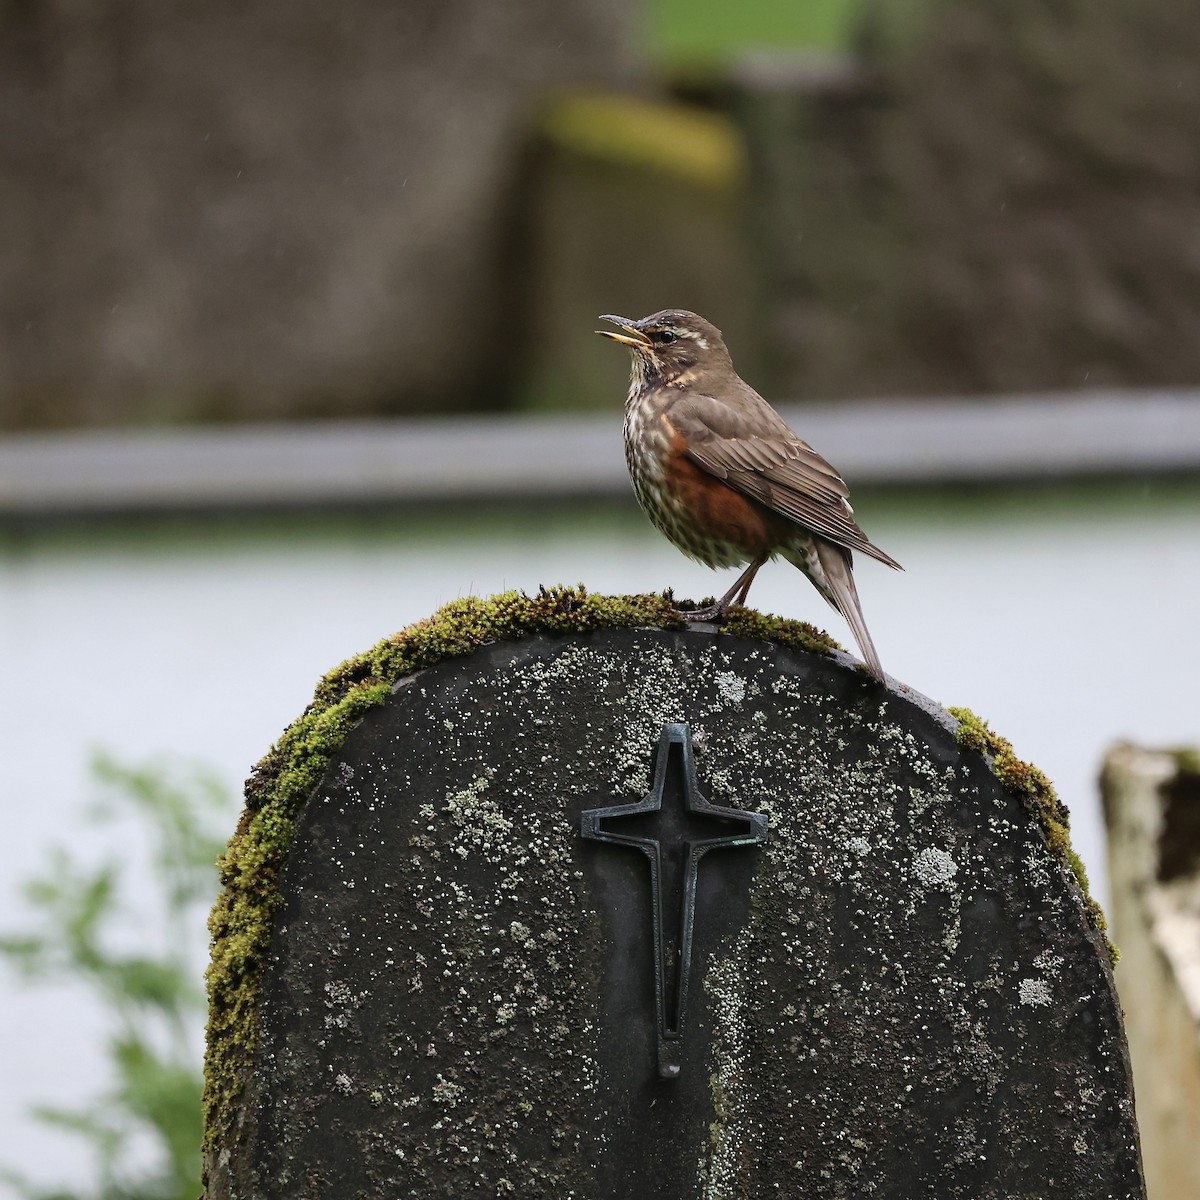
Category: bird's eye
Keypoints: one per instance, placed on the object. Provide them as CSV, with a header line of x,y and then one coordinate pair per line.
x,y
665,336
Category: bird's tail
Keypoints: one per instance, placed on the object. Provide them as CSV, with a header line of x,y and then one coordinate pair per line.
x,y
839,590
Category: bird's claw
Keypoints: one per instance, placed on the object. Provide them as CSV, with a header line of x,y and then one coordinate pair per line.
x,y
713,612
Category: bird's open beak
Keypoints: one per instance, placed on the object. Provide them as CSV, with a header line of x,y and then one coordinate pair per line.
x,y
630,334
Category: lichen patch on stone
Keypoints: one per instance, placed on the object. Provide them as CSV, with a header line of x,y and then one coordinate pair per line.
x,y
1039,796
281,783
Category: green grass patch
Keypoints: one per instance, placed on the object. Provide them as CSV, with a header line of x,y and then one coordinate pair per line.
x,y
685,33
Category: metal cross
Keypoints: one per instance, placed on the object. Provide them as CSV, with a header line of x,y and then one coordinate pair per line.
x,y
683,828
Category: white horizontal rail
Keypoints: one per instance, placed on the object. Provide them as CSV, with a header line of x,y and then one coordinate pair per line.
x,y
986,439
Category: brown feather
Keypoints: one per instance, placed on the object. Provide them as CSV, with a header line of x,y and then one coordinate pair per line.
x,y
839,579
721,474
756,453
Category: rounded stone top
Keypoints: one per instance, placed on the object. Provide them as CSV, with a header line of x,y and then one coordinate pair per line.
x,y
429,980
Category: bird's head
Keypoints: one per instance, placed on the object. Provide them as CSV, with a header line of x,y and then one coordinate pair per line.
x,y
674,345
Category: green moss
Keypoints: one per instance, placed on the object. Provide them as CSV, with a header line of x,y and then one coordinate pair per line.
x,y
1187,760
1039,796
694,34
240,924
795,635
680,140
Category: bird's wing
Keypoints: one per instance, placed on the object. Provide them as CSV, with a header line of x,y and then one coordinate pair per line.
x,y
757,454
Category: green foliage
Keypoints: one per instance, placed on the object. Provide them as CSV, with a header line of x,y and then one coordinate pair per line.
x,y
138,962
690,32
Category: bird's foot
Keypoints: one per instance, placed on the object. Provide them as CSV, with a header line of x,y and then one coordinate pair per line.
x,y
711,612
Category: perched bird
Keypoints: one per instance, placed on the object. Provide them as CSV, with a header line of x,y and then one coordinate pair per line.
x,y
722,475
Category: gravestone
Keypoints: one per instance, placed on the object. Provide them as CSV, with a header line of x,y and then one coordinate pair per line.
x,y
599,911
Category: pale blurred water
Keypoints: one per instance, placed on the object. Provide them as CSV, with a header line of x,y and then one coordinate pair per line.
x,y
1066,617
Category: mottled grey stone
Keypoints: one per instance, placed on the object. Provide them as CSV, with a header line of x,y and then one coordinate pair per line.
x,y
898,996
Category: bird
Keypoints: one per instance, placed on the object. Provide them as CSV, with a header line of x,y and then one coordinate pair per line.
x,y
721,474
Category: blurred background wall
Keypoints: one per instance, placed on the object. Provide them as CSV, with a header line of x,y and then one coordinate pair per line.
x,y
284,210
233,235
271,209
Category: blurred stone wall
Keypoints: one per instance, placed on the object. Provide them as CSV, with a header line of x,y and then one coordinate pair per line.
x,y
216,212
996,195
634,205
224,210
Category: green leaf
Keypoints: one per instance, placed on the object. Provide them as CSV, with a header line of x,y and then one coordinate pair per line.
x,y
153,997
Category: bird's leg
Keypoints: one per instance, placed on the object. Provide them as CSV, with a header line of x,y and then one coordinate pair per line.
x,y
741,589
736,595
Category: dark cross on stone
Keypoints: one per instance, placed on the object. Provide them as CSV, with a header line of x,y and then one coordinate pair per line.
x,y
674,826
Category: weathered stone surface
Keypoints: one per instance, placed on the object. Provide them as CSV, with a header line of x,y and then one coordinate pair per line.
x,y
1152,809
898,996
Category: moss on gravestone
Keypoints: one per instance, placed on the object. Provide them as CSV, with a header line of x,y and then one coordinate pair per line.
x,y
240,924
1031,785
283,781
